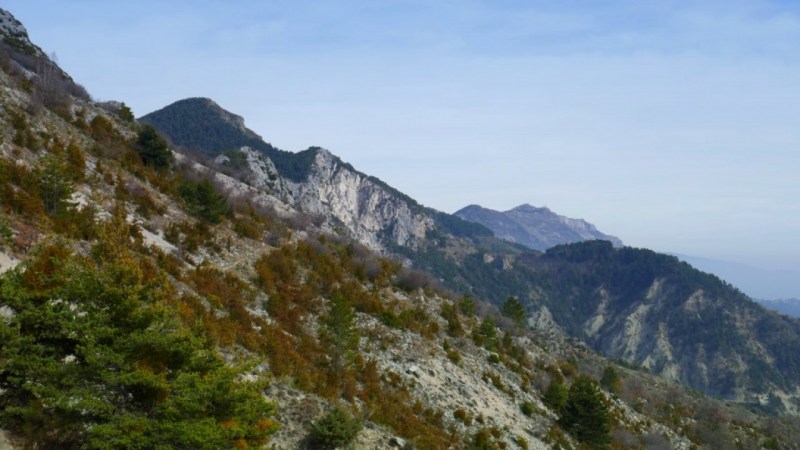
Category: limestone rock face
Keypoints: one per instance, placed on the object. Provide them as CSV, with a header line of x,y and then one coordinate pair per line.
x,y
374,215
261,172
14,33
345,198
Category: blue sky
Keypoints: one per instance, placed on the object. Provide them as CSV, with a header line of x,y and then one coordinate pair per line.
x,y
673,124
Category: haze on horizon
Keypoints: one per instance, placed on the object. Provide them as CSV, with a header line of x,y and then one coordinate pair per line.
x,y
673,126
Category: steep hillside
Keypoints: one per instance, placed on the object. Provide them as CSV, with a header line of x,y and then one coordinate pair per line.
x,y
535,228
603,300
313,181
201,124
684,324
150,300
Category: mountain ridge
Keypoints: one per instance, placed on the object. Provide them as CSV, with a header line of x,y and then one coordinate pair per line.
x,y
535,228
316,180
148,303
597,307
757,282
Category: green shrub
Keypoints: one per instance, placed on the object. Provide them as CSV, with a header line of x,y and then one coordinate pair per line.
x,y
611,381
335,429
527,408
54,184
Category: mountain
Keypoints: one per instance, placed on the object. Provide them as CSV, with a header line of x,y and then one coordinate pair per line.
x,y
199,300
630,304
15,36
788,306
756,282
313,181
686,325
536,228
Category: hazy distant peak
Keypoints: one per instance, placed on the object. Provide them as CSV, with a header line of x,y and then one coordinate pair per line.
x,y
538,228
528,208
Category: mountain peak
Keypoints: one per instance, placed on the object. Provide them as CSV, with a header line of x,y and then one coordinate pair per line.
x,y
14,34
534,227
528,208
200,123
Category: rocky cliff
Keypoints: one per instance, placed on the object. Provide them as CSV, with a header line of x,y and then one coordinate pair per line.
x,y
313,181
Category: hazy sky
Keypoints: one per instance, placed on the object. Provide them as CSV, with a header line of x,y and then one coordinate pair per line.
x,y
674,125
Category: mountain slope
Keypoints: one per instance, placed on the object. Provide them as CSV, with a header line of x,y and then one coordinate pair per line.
x,y
201,124
684,324
313,181
535,228
603,299
139,318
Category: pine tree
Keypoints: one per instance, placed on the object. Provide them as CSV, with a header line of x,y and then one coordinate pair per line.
x,y
203,201
54,184
514,310
94,357
556,395
153,148
610,380
586,413
341,332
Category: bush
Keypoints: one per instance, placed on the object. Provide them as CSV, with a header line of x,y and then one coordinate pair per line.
x,y
335,429
611,381
527,408
463,416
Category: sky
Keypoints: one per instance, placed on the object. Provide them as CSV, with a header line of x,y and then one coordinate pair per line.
x,y
674,125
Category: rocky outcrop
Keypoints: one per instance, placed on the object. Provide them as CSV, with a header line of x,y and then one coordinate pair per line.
x,y
536,228
372,214
341,197
314,181
15,35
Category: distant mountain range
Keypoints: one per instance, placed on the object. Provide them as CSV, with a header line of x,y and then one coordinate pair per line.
x,y
788,306
757,282
536,228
